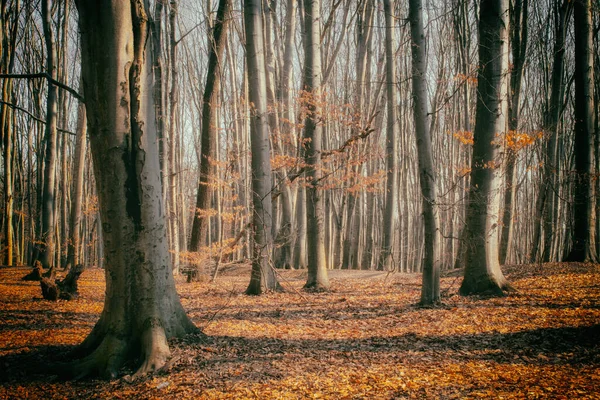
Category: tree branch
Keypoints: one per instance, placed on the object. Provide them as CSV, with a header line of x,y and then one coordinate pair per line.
x,y
49,78
14,106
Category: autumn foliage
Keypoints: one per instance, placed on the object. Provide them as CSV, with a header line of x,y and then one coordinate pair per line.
x,y
365,339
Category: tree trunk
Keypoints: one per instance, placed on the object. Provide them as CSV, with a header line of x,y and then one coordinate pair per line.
x,y
518,40
313,135
74,247
548,175
430,289
47,234
390,143
482,271
141,309
263,277
209,124
583,248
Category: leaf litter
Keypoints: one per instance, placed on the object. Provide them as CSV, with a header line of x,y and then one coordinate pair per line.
x,y
364,339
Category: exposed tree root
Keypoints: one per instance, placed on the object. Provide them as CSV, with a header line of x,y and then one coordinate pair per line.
x,y
105,361
154,348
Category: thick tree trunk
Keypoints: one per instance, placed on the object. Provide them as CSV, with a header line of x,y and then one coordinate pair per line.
x,y
430,289
482,271
583,248
313,135
141,309
263,277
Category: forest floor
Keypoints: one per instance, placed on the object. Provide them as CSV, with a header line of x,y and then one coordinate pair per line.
x,y
366,339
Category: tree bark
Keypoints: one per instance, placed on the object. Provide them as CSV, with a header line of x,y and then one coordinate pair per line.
x,y
518,40
583,248
482,271
430,289
263,277
209,124
313,136
390,210
47,234
549,171
141,308
74,247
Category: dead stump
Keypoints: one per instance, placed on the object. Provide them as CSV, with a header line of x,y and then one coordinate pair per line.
x,y
66,289
35,274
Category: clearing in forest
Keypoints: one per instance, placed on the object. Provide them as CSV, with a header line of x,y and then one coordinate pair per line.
x,y
364,339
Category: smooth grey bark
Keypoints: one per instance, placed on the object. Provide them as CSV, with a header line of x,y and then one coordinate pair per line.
x,y
313,136
8,42
177,215
47,234
387,238
582,235
263,277
430,288
299,259
544,207
209,127
518,39
141,309
74,247
482,270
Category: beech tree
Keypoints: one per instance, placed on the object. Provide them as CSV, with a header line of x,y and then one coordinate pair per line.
x,y
208,138
141,308
583,232
482,269
390,143
430,290
313,132
263,277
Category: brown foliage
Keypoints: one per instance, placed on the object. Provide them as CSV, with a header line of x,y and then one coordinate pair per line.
x,y
365,339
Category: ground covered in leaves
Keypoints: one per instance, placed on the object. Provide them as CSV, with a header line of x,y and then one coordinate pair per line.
x,y
364,340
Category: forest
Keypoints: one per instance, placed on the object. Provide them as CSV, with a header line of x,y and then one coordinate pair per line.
x,y
299,199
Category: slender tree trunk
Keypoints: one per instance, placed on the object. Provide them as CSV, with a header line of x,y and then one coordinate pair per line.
x,y
544,207
313,135
390,143
74,247
583,248
177,216
47,234
209,124
142,309
430,289
482,271
263,277
518,47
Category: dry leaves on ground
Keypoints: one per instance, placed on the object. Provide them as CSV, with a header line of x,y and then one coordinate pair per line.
x,y
365,339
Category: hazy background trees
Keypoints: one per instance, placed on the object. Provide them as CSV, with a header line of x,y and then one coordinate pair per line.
x,y
361,173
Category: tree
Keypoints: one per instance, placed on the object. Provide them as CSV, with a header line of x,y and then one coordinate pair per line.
x,y
74,247
583,232
543,210
313,137
518,39
262,277
141,308
482,270
47,235
390,143
209,123
430,290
